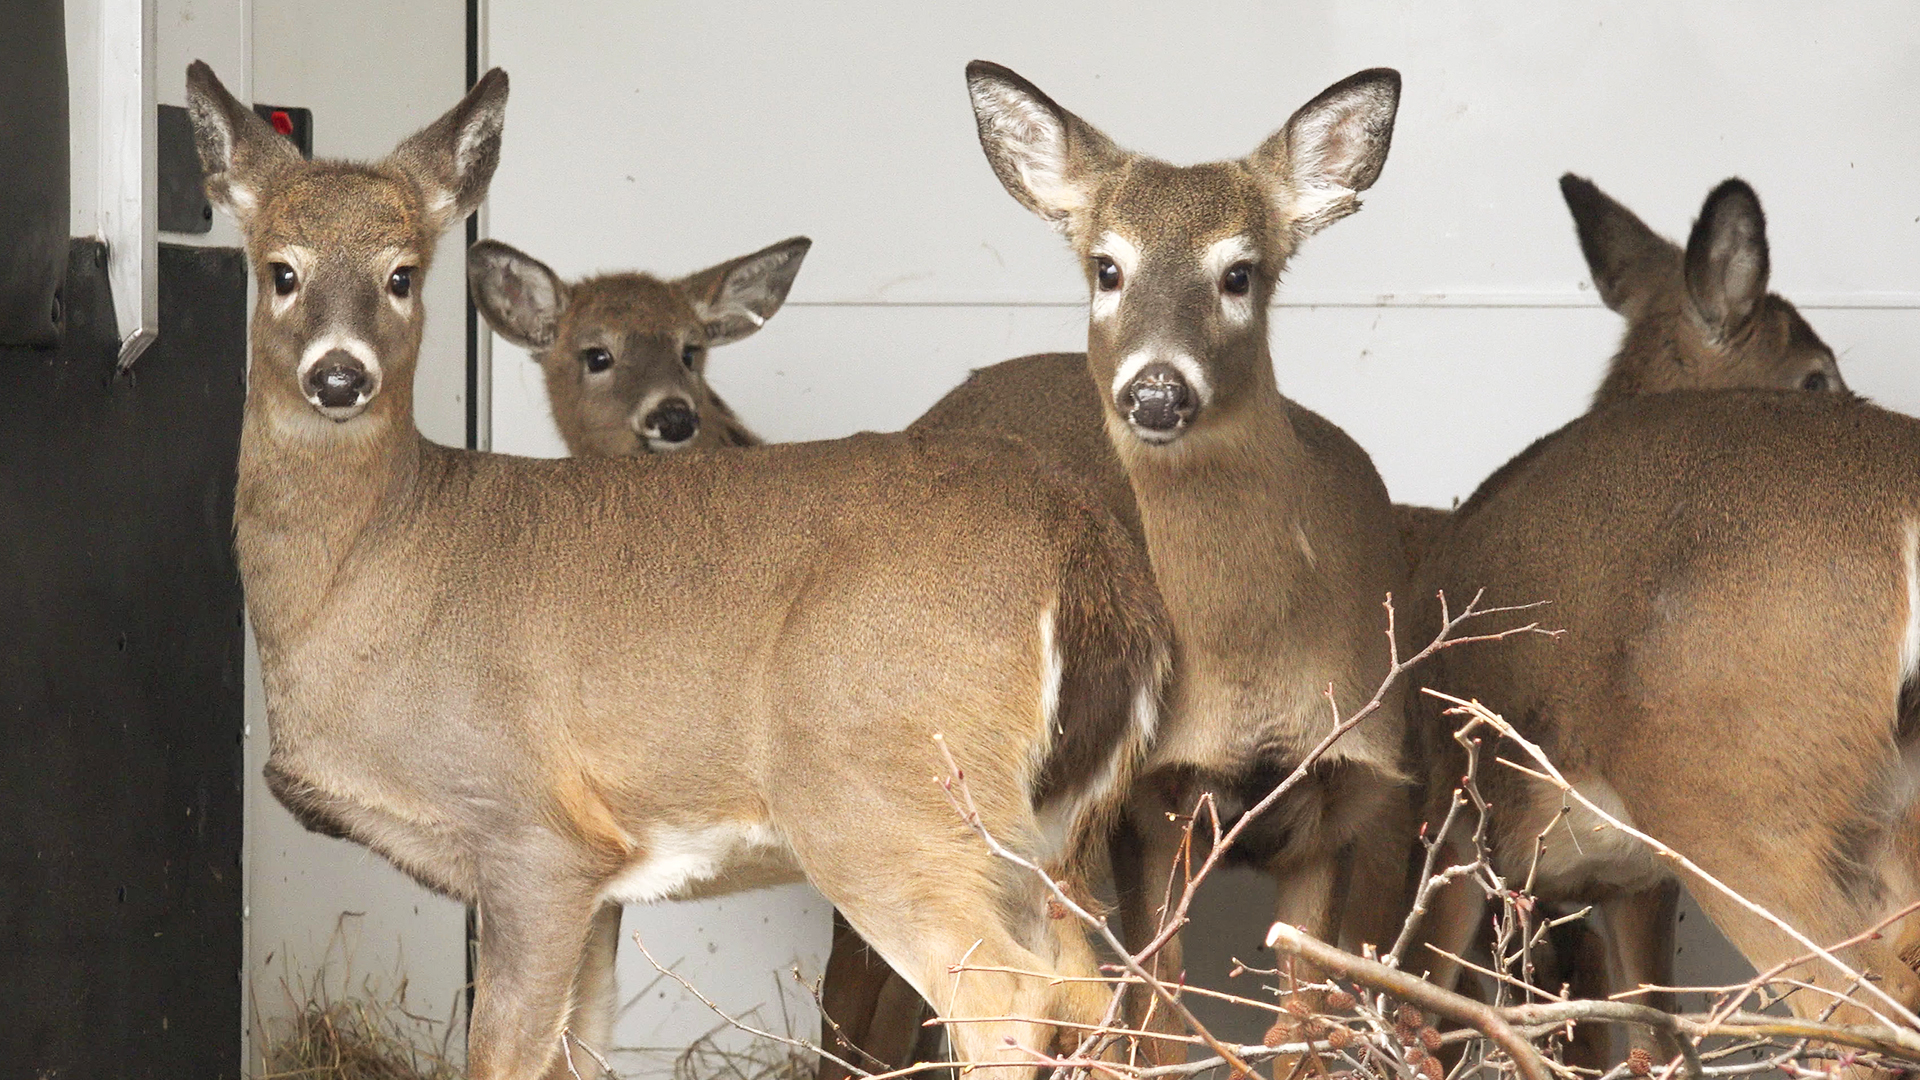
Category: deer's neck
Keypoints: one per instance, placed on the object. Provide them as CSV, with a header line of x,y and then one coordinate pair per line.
x,y
1231,535
309,491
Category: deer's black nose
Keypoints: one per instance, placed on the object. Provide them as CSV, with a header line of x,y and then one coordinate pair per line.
x,y
338,381
673,421
1158,399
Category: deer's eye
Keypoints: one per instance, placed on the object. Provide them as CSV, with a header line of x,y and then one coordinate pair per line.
x,y
596,359
400,282
690,354
283,278
1238,279
1816,382
1106,273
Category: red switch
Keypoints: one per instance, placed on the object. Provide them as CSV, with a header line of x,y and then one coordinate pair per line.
x,y
296,124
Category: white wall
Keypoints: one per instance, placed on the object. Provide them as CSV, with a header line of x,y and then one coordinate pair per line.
x,y
1445,326
706,131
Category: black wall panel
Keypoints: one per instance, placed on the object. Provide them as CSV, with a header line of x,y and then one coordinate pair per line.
x,y
121,690
34,208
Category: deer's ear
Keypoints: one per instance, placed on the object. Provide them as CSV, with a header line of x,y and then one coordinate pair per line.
x,y
1628,261
239,152
1330,151
1048,158
453,158
1727,260
518,295
738,296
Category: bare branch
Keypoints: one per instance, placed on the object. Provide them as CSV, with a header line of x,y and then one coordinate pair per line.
x,y
1549,774
1370,1039
785,1040
1378,976
1174,920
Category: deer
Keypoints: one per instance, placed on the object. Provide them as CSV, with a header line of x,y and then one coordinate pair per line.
x,y
1736,574
625,354
1698,318
1268,529
549,687
624,357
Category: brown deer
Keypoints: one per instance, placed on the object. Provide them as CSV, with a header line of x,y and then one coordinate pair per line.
x,y
1738,577
625,362
1268,529
550,687
625,355
1697,319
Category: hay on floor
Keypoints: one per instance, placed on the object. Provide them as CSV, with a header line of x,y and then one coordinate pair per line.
x,y
362,1038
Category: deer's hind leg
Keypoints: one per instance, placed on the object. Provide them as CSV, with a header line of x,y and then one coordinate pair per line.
x,y
967,929
1790,870
1639,940
1149,873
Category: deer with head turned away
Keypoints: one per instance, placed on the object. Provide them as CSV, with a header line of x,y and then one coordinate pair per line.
x,y
1698,318
547,687
625,355
1737,578
1268,529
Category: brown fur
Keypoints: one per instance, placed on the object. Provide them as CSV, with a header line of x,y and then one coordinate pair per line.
x,y
656,336
1048,402
1419,527
501,673
646,324
1697,318
1730,570
1267,527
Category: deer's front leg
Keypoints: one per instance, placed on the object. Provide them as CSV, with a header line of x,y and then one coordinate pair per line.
x,y
535,917
1148,871
1640,943
1307,898
865,1004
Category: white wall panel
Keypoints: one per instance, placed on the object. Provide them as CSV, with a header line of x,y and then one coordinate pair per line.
x,y
659,132
741,952
1445,326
